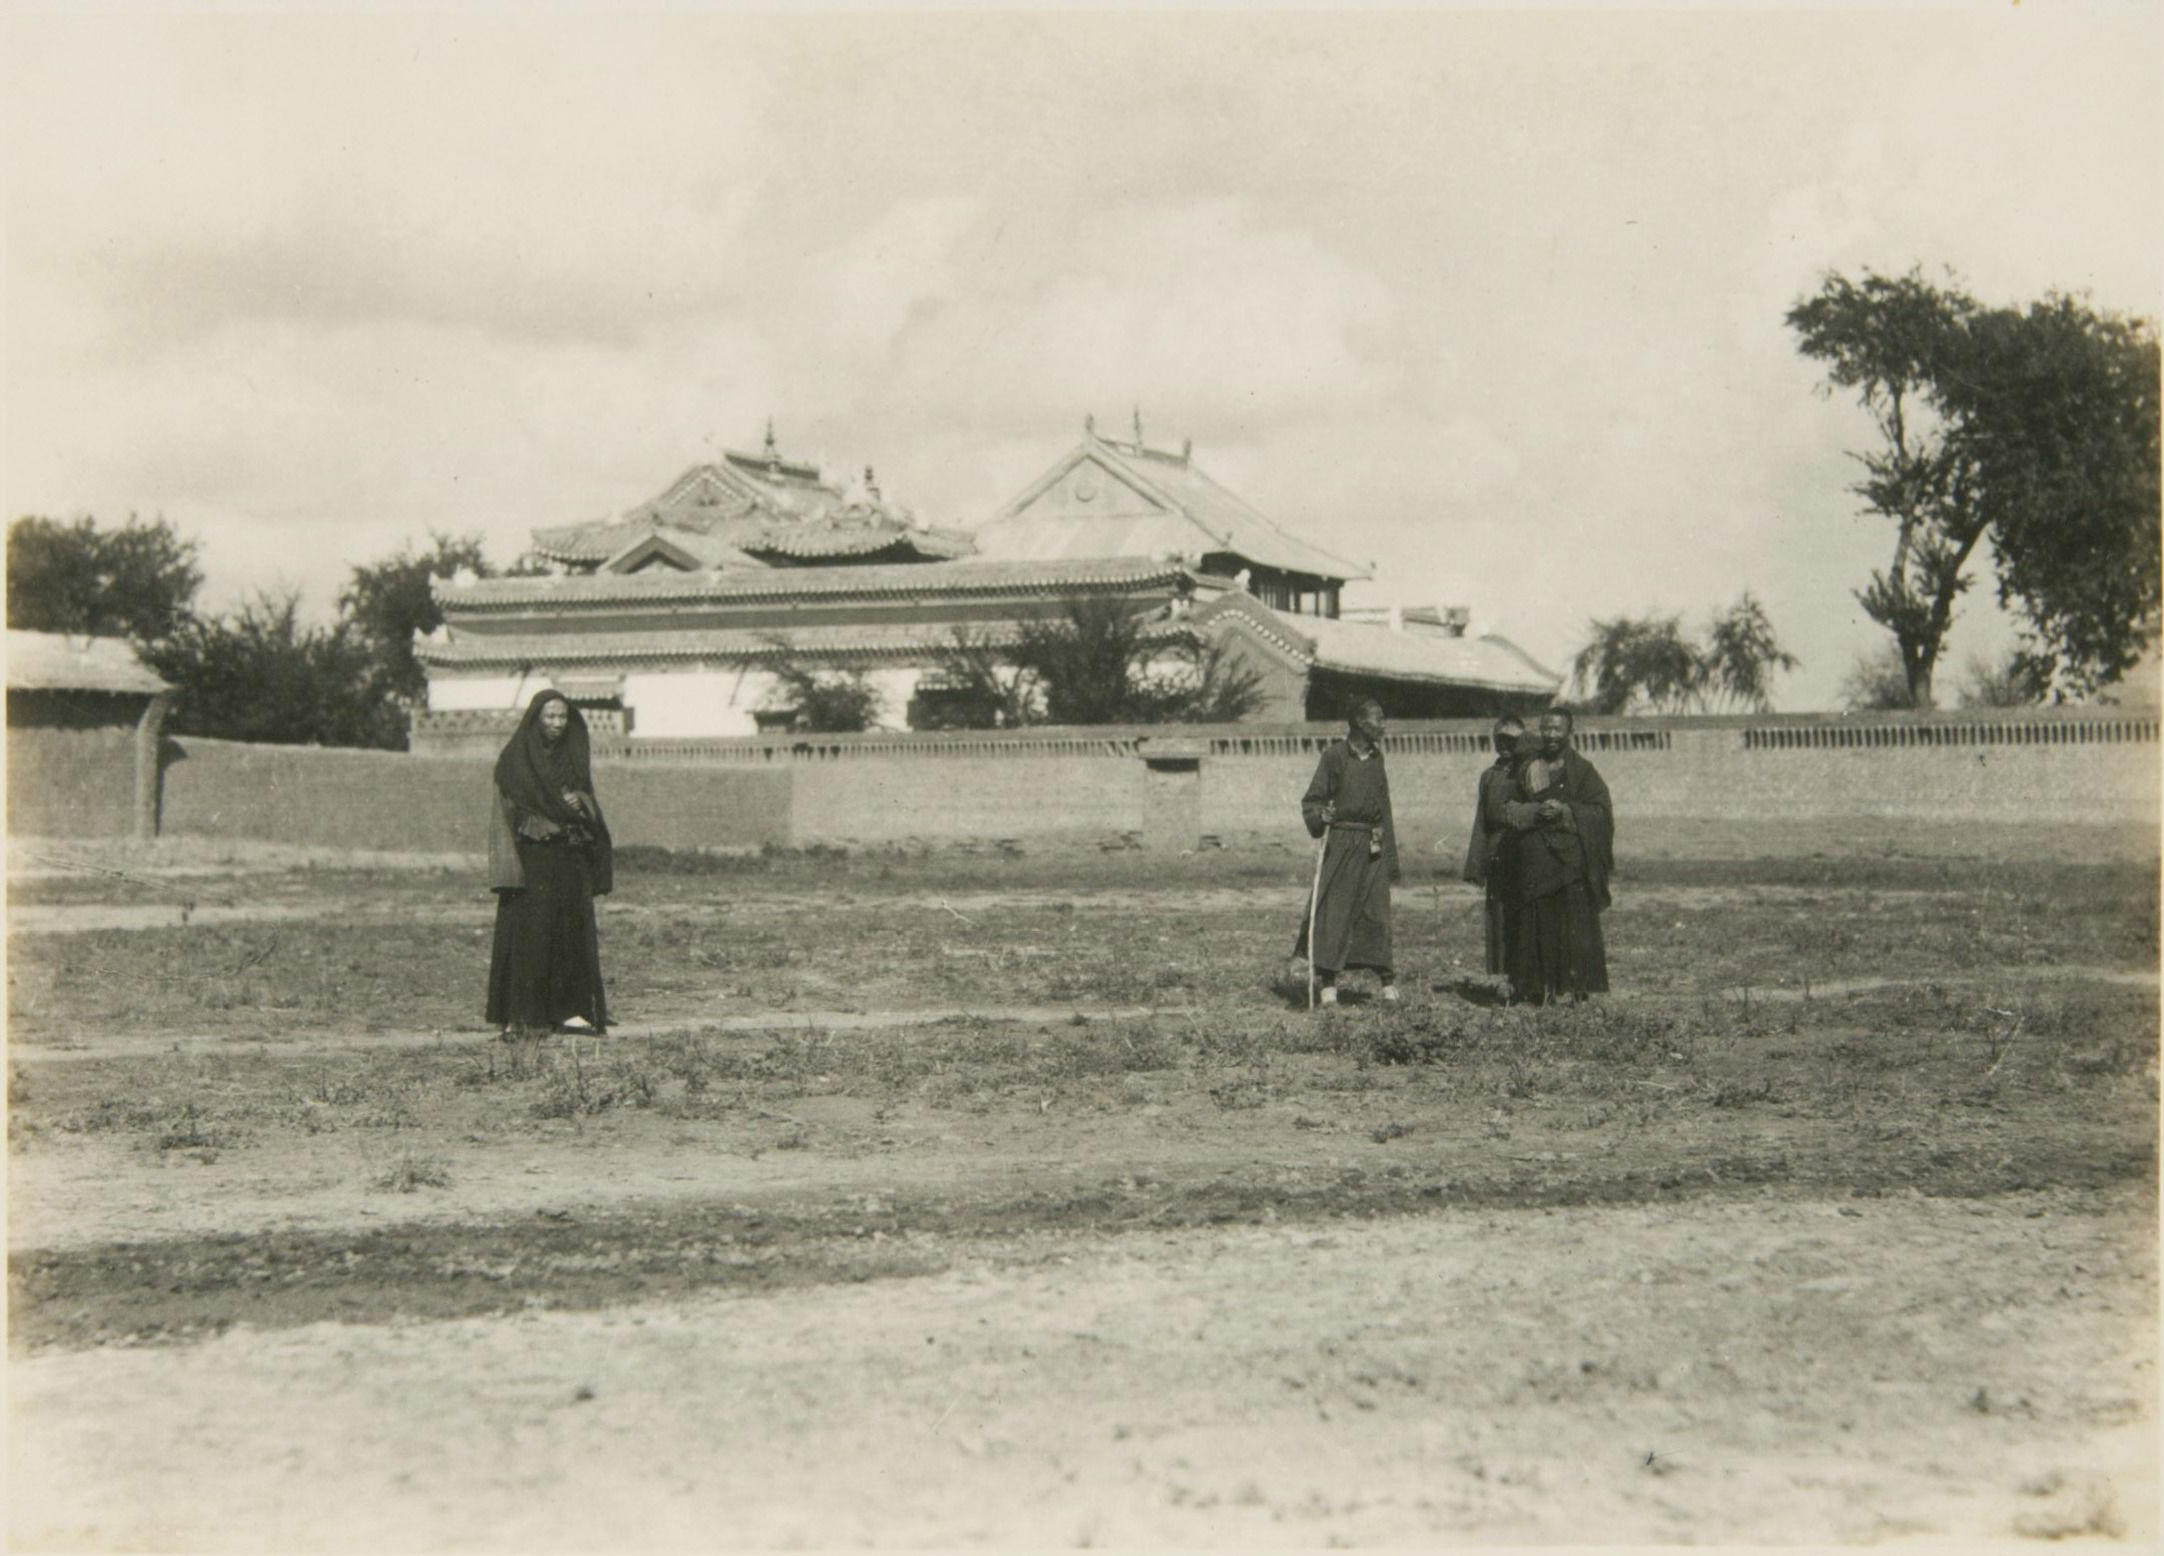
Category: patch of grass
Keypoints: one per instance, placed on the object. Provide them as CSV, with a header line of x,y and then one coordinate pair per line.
x,y
189,1133
573,1087
411,1171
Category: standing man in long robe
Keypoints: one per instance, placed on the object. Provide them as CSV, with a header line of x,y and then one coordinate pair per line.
x,y
1562,842
1489,863
1348,807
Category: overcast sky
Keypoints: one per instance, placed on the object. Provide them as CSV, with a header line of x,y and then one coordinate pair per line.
x,y
1492,298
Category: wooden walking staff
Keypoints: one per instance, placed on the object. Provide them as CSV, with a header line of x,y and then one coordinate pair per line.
x,y
1314,896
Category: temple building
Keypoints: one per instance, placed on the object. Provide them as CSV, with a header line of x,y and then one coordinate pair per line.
x,y
675,619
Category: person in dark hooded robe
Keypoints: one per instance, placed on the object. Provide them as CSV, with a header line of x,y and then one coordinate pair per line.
x,y
1347,805
1562,847
549,856
1489,860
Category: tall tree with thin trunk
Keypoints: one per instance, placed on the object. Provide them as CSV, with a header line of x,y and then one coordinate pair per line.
x,y
1892,339
2036,426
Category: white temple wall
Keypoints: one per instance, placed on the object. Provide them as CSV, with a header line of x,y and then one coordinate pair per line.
x,y
465,693
895,688
674,704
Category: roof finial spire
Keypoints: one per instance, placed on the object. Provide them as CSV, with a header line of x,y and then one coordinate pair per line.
x,y
871,484
773,451
1138,427
1089,424
1187,451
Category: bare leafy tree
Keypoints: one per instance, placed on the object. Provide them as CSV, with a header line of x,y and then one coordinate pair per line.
x,y
1097,663
825,702
1206,682
2010,681
1649,664
983,689
1877,682
1087,658
1646,662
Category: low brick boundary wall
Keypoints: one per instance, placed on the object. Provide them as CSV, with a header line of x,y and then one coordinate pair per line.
x,y
391,800
2084,768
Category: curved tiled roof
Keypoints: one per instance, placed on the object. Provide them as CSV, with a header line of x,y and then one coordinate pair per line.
x,y
1488,663
842,538
748,501
1310,642
1355,648
1199,517
691,646
887,580
691,552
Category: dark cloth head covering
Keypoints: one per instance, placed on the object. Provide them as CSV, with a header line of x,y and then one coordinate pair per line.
x,y
533,774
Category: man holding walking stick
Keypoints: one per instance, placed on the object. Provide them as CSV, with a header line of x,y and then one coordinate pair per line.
x,y
1347,923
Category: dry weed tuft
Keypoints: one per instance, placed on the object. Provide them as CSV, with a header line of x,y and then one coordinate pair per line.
x,y
410,1172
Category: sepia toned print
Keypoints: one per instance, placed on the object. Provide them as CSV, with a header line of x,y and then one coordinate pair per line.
x,y
1625,541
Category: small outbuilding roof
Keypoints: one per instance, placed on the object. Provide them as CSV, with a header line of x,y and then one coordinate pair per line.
x,y
1355,648
62,662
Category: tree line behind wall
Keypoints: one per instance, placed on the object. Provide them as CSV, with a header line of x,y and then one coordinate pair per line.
x,y
258,672
2035,427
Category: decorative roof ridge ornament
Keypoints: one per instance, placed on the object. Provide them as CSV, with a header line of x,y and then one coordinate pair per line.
x,y
773,450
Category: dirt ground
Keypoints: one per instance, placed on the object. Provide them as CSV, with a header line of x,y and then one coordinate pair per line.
x,y
1697,1373
985,1201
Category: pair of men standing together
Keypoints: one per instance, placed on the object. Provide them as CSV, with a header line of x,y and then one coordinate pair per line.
x,y
1542,847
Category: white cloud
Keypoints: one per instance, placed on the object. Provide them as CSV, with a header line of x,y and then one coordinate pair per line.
x,y
1495,298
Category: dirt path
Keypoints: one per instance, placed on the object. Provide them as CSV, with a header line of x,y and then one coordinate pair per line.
x,y
1950,1370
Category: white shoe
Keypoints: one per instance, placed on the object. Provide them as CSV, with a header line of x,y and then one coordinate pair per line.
x,y
1390,994
1329,995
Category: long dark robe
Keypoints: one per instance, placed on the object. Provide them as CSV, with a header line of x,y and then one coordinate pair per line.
x,y
1360,861
1562,867
1489,862
552,855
